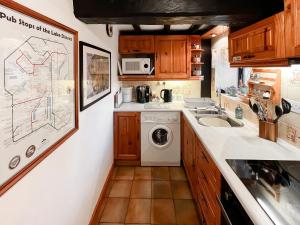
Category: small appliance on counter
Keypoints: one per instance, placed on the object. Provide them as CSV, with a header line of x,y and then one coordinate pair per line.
x,y
274,184
166,95
143,93
127,94
118,99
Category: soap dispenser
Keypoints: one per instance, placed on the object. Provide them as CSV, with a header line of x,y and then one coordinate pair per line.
x,y
239,112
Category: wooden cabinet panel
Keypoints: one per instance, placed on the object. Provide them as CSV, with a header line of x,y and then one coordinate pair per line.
x,y
127,136
292,27
262,43
203,176
179,48
164,59
172,57
129,44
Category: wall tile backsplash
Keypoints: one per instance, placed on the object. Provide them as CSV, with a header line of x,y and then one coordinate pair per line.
x,y
181,89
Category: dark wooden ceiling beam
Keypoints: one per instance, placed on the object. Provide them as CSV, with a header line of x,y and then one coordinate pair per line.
x,y
136,28
213,12
167,28
194,28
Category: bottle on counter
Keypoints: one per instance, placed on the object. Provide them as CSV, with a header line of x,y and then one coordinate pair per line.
x,y
239,112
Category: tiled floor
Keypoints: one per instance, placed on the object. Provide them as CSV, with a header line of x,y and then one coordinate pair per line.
x,y
148,195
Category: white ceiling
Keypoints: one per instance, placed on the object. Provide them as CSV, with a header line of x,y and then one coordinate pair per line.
x,y
152,27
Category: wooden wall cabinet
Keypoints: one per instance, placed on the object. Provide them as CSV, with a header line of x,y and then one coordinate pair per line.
x,y
130,44
203,176
262,43
127,141
292,27
172,57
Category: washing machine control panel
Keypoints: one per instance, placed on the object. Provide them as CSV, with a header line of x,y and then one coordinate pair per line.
x,y
160,117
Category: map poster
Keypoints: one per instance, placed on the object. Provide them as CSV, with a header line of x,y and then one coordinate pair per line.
x,y
95,74
38,89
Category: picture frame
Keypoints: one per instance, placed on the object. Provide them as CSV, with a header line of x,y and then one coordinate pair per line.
x,y
95,74
38,55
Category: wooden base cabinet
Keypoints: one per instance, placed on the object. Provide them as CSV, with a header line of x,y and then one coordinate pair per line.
x,y
203,175
127,141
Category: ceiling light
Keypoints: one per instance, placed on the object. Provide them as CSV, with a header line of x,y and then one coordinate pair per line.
x,y
213,35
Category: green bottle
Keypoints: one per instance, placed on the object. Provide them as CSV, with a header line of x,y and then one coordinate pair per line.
x,y
239,112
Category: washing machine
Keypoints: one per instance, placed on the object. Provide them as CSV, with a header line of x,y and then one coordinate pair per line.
x,y
160,138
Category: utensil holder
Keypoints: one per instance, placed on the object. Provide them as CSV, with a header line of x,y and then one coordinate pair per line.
x,y
268,130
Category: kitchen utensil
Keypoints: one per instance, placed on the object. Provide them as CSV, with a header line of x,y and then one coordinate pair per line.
x,y
278,112
286,106
250,104
166,95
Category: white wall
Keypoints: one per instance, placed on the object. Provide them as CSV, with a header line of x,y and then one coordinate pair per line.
x,y
63,189
224,75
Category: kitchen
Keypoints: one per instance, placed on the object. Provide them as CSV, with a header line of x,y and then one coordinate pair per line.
x,y
171,112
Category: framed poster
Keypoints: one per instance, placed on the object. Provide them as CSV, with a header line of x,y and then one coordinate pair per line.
x,y
38,89
95,74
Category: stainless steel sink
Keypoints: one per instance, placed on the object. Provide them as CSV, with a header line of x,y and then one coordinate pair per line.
x,y
197,112
232,122
211,113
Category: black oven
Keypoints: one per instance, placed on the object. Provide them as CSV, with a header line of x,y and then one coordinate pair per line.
x,y
233,212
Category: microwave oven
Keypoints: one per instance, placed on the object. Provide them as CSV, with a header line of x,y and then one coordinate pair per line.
x,y
136,65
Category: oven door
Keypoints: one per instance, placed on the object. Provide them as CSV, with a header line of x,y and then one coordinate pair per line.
x,y
233,212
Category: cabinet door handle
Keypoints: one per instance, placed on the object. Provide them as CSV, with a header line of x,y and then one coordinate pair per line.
x,y
204,157
203,198
205,178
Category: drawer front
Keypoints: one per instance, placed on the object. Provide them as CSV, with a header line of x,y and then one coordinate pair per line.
x,y
209,202
209,171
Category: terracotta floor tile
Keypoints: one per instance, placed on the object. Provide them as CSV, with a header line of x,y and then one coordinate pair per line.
x,y
163,212
142,173
160,173
115,210
124,173
141,189
177,173
139,211
161,189
121,189
100,209
186,212
181,190
110,184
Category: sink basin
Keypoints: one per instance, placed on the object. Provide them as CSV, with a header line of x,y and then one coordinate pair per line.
x,y
197,112
218,121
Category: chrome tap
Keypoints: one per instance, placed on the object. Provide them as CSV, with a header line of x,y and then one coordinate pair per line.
x,y
219,107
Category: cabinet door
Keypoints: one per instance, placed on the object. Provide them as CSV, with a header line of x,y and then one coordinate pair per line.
x,y
127,135
136,44
171,57
292,27
238,47
262,42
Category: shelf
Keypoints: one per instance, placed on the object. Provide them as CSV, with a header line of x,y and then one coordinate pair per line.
x,y
197,50
196,78
201,63
136,77
153,78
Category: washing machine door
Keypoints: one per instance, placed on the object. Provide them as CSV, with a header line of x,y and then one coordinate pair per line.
x,y
160,137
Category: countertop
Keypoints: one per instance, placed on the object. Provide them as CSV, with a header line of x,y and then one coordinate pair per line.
x,y
232,143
